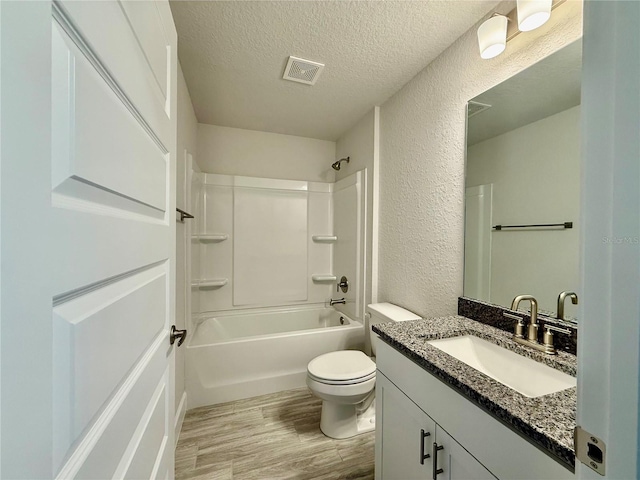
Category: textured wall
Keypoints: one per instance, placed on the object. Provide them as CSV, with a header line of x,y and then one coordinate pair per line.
x,y
234,53
356,143
422,133
234,151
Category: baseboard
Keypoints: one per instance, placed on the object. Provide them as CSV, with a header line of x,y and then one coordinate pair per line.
x,y
180,412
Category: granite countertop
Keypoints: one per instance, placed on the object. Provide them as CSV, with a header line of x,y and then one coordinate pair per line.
x,y
548,421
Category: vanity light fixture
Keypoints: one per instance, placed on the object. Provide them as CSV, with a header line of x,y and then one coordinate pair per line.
x,y
533,14
494,33
492,36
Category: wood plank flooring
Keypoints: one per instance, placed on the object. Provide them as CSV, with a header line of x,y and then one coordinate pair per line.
x,y
273,436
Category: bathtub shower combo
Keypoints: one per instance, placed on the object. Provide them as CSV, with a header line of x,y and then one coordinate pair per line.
x,y
266,258
245,354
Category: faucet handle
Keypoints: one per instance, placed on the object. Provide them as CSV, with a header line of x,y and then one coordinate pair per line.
x,y
519,333
566,331
549,347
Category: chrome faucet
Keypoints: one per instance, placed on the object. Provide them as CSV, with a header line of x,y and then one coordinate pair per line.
x,y
561,299
532,331
333,302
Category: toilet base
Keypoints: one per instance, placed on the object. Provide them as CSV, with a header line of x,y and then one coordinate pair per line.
x,y
341,421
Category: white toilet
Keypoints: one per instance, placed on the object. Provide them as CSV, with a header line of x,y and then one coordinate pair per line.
x,y
345,380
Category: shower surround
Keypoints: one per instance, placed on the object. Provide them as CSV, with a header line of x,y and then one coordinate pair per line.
x,y
268,252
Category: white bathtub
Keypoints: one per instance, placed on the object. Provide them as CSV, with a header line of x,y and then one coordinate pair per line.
x,y
241,355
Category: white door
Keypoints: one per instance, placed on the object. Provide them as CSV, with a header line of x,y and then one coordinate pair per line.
x,y
88,104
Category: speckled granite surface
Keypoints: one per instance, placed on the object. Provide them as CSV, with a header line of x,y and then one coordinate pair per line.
x,y
491,314
548,421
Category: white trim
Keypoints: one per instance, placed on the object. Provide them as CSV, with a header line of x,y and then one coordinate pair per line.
x,y
180,413
364,267
1,291
81,453
138,436
375,223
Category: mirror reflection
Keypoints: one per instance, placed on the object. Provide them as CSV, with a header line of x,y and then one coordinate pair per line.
x,y
522,202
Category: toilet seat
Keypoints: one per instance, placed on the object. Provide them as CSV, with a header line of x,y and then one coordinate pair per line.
x,y
351,381
345,367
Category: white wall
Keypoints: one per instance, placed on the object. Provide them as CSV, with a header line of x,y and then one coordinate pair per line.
x,y
535,172
187,131
234,151
359,144
422,135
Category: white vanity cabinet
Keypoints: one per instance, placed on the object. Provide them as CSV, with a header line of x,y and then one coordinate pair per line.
x,y
410,400
408,438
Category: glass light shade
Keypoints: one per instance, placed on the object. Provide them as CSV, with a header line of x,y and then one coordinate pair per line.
x,y
492,36
533,13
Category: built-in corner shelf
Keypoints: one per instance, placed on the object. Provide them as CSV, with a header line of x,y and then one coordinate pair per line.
x,y
317,278
324,238
212,238
210,284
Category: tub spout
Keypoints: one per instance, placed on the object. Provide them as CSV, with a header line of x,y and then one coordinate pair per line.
x,y
333,302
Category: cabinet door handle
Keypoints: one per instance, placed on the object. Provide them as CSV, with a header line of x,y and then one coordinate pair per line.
x,y
436,470
423,455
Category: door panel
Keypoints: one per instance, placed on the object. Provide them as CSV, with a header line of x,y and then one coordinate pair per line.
x,y
97,139
109,440
121,317
130,74
112,240
456,462
148,29
150,441
88,239
400,424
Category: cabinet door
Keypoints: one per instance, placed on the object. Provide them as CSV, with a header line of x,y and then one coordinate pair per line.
x,y
400,426
456,463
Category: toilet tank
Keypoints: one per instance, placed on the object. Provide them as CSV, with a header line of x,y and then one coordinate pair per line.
x,y
383,313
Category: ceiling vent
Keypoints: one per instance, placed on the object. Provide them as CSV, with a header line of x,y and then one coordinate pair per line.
x,y
474,108
302,71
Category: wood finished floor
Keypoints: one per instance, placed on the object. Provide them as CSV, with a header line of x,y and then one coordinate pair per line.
x,y
273,436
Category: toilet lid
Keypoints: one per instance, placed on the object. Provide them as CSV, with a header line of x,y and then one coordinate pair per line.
x,y
342,365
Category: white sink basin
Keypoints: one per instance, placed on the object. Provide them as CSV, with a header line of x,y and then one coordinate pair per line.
x,y
530,378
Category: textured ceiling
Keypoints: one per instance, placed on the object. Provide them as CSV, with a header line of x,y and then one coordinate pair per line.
x,y
548,87
233,54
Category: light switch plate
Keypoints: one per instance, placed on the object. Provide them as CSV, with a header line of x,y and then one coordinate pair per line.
x,y
590,450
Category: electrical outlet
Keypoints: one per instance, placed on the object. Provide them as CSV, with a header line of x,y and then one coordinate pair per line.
x,y
590,450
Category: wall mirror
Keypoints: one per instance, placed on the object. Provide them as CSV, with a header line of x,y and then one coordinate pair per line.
x,y
522,172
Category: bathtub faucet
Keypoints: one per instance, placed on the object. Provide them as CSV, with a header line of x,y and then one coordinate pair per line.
x,y
333,302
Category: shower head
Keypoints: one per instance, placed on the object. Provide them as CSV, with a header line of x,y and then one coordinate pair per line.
x,y
336,165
